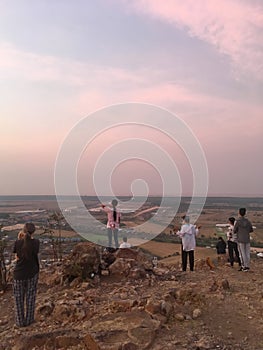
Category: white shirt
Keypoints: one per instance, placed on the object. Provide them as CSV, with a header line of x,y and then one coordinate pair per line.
x,y
188,233
125,245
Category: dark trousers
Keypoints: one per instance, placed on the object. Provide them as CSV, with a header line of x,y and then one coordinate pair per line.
x,y
233,248
115,235
25,292
191,259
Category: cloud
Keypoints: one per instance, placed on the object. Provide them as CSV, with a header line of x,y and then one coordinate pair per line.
x,y
233,27
18,64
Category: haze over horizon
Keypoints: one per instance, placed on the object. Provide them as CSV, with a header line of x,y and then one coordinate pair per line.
x,y
200,60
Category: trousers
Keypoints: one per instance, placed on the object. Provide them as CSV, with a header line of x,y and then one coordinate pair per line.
x,y
244,254
25,298
115,235
185,254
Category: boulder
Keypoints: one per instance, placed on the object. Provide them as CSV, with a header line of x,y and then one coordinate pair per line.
x,y
83,262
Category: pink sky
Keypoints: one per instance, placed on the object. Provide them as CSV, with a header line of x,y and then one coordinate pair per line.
x,y
202,61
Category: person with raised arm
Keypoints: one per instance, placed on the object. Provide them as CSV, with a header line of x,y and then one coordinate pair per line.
x,y
113,223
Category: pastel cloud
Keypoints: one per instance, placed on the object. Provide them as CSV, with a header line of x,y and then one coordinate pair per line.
x,y
233,27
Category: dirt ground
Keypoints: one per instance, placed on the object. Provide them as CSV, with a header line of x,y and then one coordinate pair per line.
x,y
231,317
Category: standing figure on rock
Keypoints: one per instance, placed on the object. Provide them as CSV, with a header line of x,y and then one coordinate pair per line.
x,y
26,276
187,233
113,223
232,243
243,228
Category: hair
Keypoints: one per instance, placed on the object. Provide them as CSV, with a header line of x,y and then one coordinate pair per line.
x,y
114,203
232,220
27,248
124,239
242,211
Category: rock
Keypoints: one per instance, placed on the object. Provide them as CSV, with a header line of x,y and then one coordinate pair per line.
x,y
47,340
137,273
214,287
113,331
179,317
121,266
123,305
225,284
152,307
196,313
64,341
46,309
166,308
82,262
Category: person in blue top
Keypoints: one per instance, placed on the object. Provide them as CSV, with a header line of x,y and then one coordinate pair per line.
x,y
26,273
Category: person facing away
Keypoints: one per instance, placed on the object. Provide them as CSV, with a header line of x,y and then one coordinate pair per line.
x,y
232,243
26,273
242,229
113,223
221,246
187,233
125,243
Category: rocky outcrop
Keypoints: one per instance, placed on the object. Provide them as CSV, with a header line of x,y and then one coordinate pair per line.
x,y
83,262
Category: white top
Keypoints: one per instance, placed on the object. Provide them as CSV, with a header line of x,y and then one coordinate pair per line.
x,y
231,236
125,245
111,223
188,233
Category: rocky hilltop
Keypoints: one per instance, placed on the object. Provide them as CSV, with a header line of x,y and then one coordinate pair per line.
x,y
117,300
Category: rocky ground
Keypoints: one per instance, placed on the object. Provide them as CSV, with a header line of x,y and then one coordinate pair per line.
x,y
126,304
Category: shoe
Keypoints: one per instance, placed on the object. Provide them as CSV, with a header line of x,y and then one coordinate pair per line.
x,y
246,269
241,269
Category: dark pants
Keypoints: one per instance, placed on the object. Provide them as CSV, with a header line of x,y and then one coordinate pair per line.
x,y
232,247
25,290
191,259
115,235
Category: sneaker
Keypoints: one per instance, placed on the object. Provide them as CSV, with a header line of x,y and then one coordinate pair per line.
x,y
245,269
241,268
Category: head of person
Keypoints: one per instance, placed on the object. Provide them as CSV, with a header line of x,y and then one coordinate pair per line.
x,y
231,220
124,239
242,211
186,219
114,202
29,228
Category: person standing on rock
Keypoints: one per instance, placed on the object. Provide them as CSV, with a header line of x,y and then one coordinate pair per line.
x,y
26,276
232,243
242,229
187,233
113,223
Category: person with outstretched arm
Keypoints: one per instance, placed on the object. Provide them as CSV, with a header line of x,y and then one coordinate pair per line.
x,y
113,223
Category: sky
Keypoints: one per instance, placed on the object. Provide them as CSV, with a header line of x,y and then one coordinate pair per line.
x,y
62,61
